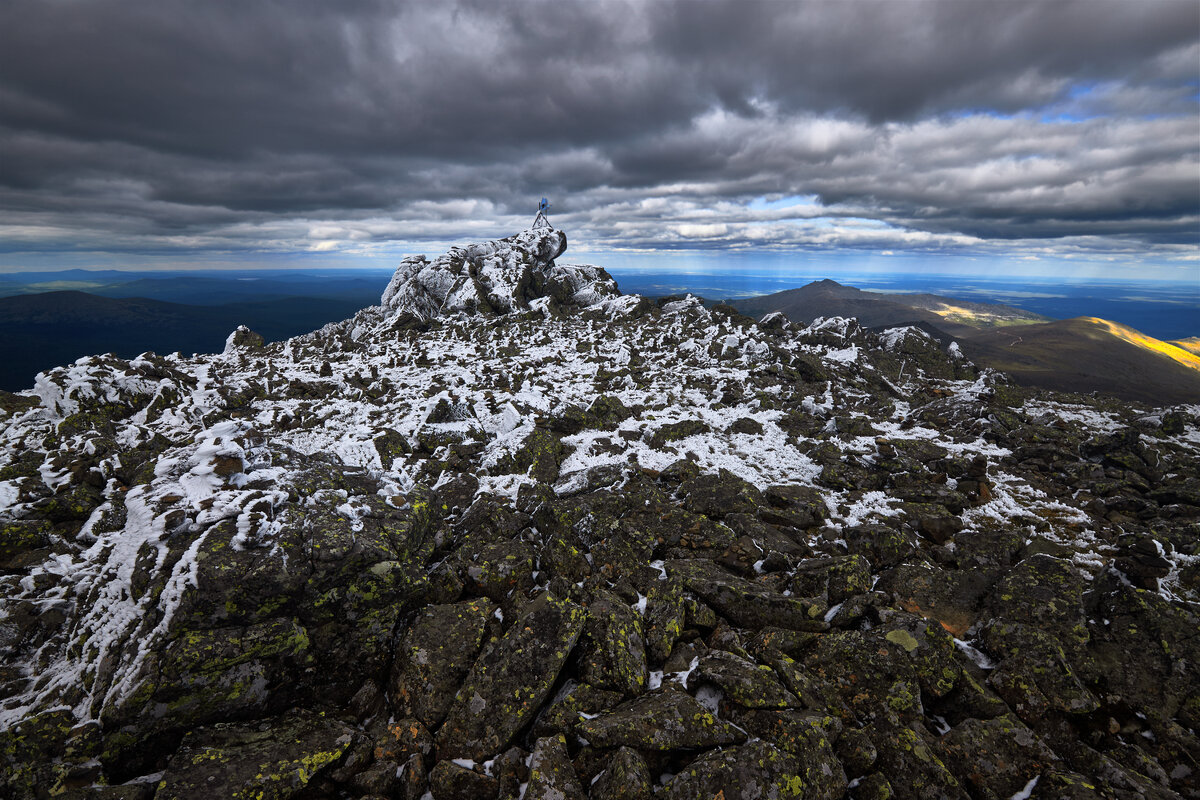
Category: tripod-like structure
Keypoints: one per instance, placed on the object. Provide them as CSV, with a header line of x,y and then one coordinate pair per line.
x,y
540,221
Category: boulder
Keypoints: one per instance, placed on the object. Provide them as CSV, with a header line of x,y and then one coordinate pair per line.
x,y
272,759
625,777
510,680
551,775
436,654
611,653
669,720
749,604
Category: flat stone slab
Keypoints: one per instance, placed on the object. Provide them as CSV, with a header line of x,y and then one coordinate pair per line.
x,y
271,759
746,603
667,721
511,679
436,653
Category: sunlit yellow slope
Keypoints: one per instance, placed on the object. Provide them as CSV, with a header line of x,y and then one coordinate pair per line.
x,y
983,317
1191,344
1174,352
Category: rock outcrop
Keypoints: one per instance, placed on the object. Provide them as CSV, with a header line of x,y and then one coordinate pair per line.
x,y
512,534
495,277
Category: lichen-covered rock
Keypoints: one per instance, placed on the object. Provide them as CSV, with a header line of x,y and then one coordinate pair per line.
x,y
747,603
1144,647
950,597
625,777
225,672
811,739
664,619
757,767
571,705
510,680
1045,592
435,655
1035,672
611,654
669,720
540,456
721,494
551,775
908,757
273,759
502,570
995,758
856,753
748,684
874,786
460,780
888,666
847,577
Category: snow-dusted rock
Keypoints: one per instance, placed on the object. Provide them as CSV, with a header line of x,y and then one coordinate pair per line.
x,y
498,276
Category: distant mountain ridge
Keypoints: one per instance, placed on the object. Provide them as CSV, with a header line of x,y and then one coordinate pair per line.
x,y
873,309
1084,354
208,289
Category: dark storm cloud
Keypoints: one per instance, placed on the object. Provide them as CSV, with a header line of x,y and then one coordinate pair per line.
x,y
287,125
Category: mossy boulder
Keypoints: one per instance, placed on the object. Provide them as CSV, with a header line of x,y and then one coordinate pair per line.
x,y
773,772
269,759
435,655
551,774
611,653
511,679
669,720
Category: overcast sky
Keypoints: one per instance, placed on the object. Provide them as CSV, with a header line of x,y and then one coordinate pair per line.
x,y
305,132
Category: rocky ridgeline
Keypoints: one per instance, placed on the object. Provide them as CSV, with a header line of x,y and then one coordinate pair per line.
x,y
512,534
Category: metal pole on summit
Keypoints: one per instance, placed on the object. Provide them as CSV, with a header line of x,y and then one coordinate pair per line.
x,y
540,221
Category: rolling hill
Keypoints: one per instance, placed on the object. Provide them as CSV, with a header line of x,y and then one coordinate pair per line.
x,y
1090,354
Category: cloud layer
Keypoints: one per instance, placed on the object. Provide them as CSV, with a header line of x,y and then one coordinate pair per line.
x,y
1023,128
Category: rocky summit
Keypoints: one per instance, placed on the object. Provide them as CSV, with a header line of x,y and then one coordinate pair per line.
x,y
513,534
